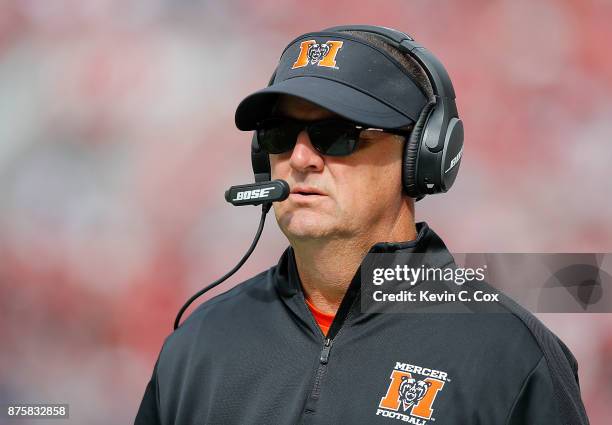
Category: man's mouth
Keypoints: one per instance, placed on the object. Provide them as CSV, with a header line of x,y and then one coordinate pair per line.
x,y
306,191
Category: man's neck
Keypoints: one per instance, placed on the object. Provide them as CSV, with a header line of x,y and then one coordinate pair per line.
x,y
327,266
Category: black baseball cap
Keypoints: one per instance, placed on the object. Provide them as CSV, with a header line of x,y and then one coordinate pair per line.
x,y
344,74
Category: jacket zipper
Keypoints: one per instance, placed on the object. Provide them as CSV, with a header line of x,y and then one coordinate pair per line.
x,y
322,367
321,370
338,322
325,351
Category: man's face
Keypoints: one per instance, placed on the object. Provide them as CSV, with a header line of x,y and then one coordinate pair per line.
x,y
336,197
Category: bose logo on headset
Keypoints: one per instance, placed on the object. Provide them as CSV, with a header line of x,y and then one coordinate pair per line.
x,y
455,160
253,194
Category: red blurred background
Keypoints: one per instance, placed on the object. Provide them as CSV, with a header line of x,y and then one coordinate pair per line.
x,y
117,142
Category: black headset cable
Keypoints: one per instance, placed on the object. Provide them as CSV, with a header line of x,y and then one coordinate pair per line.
x,y
264,210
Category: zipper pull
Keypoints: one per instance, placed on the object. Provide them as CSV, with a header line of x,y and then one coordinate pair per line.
x,y
325,351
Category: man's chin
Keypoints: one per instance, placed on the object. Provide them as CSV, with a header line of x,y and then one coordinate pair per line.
x,y
305,225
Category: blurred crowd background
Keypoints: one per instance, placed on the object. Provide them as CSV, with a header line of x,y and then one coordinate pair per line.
x,y
117,143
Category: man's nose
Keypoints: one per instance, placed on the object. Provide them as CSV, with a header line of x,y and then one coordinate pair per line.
x,y
304,156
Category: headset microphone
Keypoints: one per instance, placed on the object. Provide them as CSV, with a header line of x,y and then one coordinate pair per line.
x,y
264,193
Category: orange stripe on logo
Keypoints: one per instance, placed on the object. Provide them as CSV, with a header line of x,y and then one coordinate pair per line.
x,y
330,58
423,408
391,399
302,59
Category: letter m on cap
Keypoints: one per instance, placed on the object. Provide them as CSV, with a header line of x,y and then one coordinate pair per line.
x,y
323,54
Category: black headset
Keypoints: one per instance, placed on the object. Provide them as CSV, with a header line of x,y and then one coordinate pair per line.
x,y
432,154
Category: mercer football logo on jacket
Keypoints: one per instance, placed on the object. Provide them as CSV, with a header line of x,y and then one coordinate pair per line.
x,y
319,54
411,393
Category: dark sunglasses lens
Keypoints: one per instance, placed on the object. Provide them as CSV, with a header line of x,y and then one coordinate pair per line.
x,y
277,136
334,138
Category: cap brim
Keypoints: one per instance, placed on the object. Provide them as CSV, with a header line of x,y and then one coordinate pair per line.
x,y
339,98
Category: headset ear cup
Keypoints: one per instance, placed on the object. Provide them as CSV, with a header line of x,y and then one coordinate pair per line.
x,y
411,153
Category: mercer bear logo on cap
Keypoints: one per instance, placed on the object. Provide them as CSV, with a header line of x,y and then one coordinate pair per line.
x,y
319,54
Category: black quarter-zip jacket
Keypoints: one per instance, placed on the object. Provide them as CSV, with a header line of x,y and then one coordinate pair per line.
x,y
255,355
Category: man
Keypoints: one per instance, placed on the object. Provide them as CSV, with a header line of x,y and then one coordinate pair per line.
x,y
293,344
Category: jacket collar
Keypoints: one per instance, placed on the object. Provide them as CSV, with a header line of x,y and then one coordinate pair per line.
x,y
427,241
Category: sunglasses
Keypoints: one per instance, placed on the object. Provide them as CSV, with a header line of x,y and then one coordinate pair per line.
x,y
331,137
